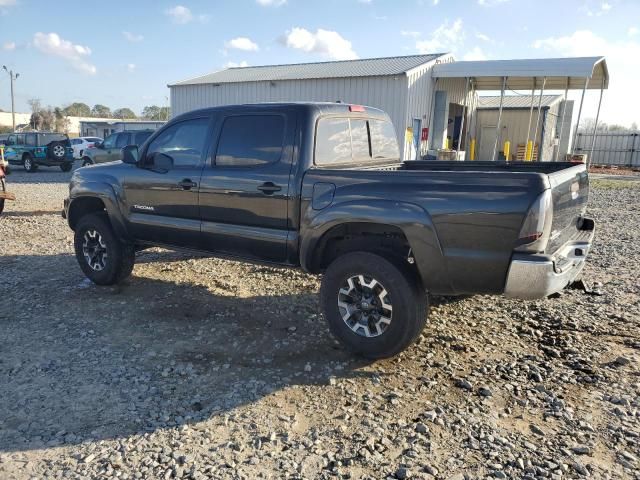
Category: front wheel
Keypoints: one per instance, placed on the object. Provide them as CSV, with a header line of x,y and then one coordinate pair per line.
x,y
373,306
86,161
102,257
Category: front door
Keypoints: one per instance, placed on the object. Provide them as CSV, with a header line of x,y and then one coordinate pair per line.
x,y
244,192
103,154
163,204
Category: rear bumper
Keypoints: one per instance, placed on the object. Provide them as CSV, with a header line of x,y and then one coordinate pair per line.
x,y
534,276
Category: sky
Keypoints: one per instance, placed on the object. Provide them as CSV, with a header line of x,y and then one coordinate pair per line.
x,y
124,53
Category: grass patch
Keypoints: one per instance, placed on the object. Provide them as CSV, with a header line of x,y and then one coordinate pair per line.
x,y
609,184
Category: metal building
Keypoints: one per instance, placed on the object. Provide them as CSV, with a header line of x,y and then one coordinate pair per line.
x,y
401,86
514,123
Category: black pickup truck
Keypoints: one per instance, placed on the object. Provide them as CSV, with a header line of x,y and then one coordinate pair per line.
x,y
320,186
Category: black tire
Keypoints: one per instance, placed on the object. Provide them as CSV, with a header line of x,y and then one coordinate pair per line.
x,y
56,151
404,293
66,167
29,163
86,161
120,257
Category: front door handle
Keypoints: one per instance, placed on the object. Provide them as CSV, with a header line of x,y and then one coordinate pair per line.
x,y
187,184
269,187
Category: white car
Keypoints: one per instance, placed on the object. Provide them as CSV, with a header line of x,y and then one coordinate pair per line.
x,y
80,144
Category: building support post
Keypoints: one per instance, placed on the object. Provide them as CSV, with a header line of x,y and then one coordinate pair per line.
x,y
595,126
526,145
498,129
575,134
464,112
564,117
535,135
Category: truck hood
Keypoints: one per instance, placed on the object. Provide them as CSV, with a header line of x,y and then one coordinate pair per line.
x,y
111,173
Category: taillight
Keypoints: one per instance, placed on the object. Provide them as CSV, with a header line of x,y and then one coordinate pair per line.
x,y
356,108
536,228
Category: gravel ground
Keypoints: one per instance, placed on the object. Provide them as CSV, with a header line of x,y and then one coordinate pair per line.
x,y
204,368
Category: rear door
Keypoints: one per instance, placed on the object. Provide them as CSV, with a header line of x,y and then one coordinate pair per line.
x,y
244,190
163,205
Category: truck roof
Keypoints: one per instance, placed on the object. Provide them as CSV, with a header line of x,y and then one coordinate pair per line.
x,y
317,108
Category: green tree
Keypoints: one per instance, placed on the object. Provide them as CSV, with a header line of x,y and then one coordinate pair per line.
x,y
124,113
78,109
154,112
101,111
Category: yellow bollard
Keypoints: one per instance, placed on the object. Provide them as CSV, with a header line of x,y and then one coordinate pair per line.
x,y
529,151
507,150
472,149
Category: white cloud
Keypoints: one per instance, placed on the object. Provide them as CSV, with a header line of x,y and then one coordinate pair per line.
x,y
365,1
483,37
235,64
182,15
7,3
327,43
242,43
602,9
132,37
271,3
446,37
475,53
436,2
131,67
52,44
409,33
619,105
8,46
179,14
491,3
633,31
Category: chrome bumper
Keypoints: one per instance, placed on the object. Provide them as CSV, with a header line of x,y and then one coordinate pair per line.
x,y
534,276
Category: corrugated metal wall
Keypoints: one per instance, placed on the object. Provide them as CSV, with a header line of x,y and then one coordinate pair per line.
x,y
611,148
514,129
388,93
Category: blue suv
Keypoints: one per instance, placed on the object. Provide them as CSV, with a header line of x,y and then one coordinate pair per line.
x,y
32,149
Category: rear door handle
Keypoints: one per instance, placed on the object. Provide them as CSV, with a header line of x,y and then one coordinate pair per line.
x,y
269,187
187,184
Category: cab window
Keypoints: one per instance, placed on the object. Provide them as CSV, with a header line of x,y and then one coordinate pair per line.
x,y
183,142
110,141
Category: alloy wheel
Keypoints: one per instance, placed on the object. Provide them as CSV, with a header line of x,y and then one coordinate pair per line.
x,y
58,151
94,250
365,306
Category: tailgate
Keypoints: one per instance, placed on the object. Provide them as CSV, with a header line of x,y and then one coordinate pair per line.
x,y
570,192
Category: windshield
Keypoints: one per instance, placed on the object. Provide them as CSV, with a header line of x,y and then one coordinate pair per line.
x,y
47,138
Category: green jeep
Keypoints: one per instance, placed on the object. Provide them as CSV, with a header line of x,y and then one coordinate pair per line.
x,y
32,149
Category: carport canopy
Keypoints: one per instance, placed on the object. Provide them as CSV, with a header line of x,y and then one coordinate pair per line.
x,y
560,73
573,73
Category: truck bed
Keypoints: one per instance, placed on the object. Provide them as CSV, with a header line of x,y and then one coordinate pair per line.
x,y
476,208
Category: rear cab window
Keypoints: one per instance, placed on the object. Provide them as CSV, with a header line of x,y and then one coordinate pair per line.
x,y
250,140
343,140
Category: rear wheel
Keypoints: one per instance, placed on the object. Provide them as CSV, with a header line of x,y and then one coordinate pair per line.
x,y
374,307
103,258
29,163
66,167
86,161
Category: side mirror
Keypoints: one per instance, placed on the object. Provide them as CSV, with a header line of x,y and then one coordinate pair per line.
x,y
130,154
161,163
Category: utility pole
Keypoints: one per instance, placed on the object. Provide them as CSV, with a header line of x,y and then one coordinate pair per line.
x,y
13,108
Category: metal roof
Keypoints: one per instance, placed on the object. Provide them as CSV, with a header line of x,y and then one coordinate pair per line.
x,y
366,67
521,74
517,101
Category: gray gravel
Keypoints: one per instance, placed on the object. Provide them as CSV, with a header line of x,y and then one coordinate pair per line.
x,y
204,368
